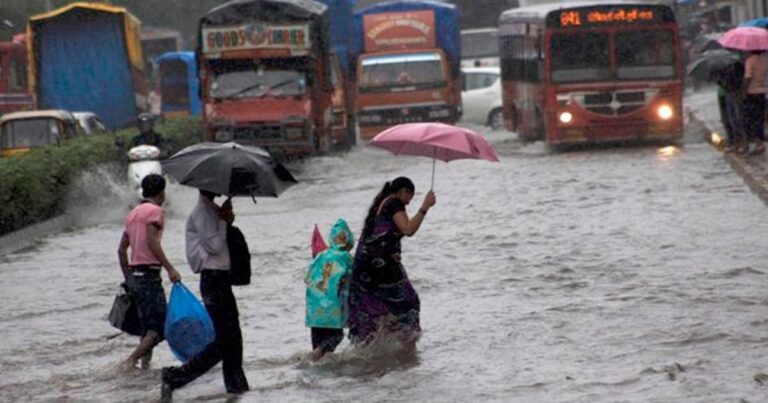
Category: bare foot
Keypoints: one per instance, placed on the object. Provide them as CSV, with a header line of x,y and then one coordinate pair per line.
x,y
126,366
316,354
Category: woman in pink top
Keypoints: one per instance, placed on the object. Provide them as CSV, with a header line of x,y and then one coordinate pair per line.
x,y
755,72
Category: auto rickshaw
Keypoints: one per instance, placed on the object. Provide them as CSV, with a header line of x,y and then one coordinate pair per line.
x,y
22,131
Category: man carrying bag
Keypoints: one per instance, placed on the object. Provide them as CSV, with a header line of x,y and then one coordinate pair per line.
x,y
208,254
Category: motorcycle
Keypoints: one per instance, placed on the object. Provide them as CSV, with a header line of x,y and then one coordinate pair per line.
x,y
142,161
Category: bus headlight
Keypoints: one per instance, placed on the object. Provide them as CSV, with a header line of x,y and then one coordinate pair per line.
x,y
665,112
566,117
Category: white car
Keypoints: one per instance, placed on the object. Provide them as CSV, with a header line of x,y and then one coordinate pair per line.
x,y
481,96
90,122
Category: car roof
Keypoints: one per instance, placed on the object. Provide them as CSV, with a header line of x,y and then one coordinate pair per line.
x,y
84,114
47,113
493,70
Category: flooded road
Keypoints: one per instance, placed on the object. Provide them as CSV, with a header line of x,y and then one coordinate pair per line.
x,y
630,274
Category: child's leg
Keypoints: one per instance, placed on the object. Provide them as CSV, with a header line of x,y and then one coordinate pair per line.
x,y
325,340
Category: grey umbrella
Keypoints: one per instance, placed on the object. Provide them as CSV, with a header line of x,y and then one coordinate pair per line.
x,y
229,169
710,62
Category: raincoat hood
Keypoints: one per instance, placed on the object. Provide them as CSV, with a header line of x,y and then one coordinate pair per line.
x,y
341,236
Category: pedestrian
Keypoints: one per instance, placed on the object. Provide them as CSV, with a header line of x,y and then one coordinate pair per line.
x,y
381,298
755,72
327,283
730,96
208,255
143,232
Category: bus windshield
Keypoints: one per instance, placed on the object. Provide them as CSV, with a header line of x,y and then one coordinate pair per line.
x,y
580,57
645,54
386,72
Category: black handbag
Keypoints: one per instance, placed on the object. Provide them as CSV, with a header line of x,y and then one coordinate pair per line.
x,y
124,314
239,257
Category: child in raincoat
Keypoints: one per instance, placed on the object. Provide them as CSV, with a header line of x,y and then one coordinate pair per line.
x,y
327,283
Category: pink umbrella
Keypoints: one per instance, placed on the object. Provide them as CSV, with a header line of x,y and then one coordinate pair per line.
x,y
437,140
745,38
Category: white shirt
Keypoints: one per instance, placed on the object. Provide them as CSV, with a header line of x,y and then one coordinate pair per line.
x,y
206,236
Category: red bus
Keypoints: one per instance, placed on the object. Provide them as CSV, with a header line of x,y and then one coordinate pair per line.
x,y
583,73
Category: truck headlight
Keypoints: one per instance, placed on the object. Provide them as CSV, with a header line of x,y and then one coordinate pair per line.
x,y
439,113
665,112
294,132
223,136
370,118
566,117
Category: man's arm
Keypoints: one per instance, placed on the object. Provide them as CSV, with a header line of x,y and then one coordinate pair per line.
x,y
122,254
153,241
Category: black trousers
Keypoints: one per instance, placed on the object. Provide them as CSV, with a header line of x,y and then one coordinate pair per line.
x,y
228,345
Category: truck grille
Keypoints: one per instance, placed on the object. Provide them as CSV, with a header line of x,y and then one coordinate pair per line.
x,y
258,133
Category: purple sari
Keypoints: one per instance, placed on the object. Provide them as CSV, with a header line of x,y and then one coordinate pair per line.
x,y
381,297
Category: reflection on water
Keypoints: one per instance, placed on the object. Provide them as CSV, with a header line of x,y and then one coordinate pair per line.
x,y
598,275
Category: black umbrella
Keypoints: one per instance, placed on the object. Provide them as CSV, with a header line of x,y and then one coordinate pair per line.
x,y
710,62
229,169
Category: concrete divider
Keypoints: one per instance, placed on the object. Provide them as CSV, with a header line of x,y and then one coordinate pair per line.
x,y
28,236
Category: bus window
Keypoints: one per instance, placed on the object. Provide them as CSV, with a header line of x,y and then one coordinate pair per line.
x,y
645,55
578,57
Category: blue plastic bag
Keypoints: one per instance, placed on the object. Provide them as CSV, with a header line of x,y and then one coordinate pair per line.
x,y
188,327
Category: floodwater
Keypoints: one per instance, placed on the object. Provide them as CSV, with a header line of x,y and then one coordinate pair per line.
x,y
610,275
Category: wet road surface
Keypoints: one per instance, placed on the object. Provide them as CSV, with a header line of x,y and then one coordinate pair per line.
x,y
611,275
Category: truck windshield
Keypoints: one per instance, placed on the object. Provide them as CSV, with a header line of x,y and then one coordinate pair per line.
x,y
419,69
580,57
257,83
26,133
645,55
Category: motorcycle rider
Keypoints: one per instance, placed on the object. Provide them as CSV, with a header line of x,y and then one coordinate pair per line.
x,y
147,134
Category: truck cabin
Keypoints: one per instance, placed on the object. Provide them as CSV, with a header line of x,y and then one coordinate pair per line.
x,y
22,131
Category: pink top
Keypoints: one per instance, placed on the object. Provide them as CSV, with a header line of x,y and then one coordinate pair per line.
x,y
755,70
136,227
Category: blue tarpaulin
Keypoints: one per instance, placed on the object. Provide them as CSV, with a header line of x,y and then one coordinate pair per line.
x,y
83,66
186,78
341,16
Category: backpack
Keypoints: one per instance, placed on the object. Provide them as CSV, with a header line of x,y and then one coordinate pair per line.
x,y
239,257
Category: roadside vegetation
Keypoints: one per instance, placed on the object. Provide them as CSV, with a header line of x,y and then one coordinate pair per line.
x,y
34,185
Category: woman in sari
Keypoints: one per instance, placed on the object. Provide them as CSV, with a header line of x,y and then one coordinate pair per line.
x,y
381,298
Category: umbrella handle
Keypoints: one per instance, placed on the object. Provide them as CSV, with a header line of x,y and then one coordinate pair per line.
x,y
253,197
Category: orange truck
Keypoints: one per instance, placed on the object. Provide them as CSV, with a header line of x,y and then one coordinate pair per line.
x,y
265,75
408,57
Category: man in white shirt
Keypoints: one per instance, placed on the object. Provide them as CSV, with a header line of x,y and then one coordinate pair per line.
x,y
208,254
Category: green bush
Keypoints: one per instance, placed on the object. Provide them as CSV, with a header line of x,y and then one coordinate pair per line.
x,y
33,186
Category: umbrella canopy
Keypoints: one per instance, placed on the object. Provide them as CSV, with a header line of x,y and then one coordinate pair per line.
x,y
757,22
229,169
710,62
745,38
437,140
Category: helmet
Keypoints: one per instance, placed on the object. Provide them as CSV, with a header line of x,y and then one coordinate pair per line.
x,y
145,118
